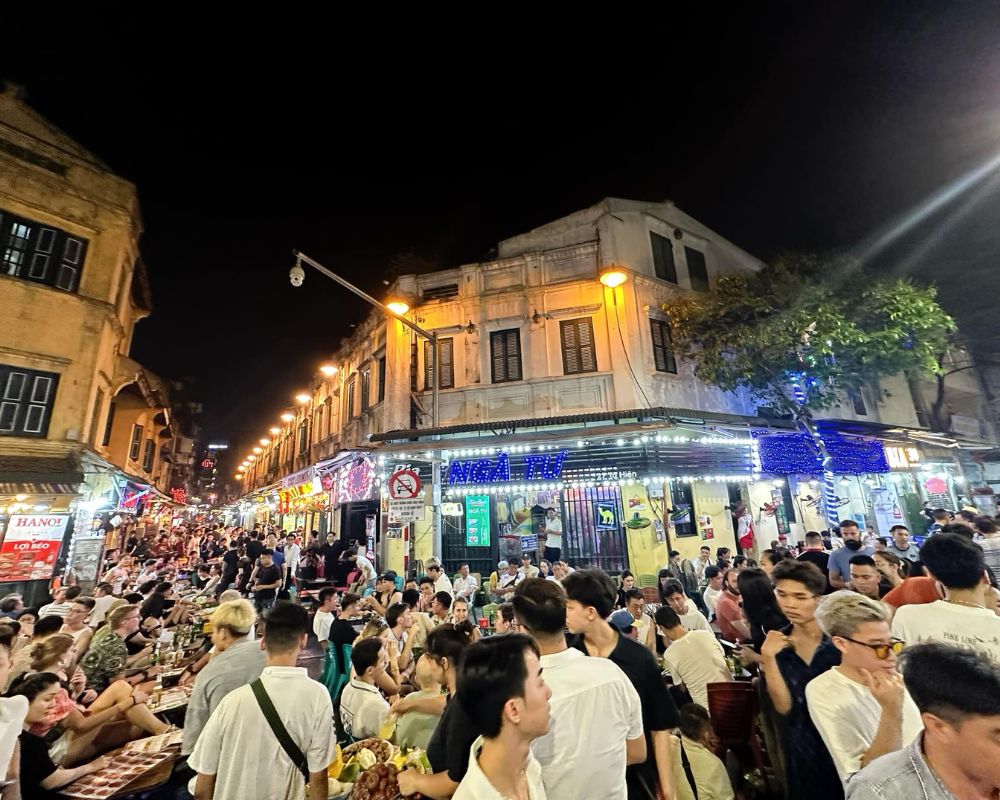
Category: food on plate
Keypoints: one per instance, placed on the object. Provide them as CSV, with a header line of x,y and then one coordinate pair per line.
x,y
378,783
382,750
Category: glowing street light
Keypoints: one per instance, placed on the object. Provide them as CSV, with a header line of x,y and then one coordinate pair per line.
x,y
288,416
258,450
397,307
613,277
328,370
251,457
275,431
265,441
303,398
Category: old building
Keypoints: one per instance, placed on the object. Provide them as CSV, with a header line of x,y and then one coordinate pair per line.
x,y
559,349
73,287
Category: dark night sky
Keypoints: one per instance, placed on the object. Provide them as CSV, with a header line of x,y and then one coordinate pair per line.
x,y
791,128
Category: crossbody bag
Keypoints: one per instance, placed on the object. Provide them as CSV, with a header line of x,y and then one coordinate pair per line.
x,y
278,728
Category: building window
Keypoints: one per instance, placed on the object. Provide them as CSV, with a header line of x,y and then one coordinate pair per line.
x,y
697,271
95,418
147,456
26,402
381,379
303,438
447,365
349,401
663,346
39,253
505,355
366,388
577,339
663,257
858,401
136,443
108,425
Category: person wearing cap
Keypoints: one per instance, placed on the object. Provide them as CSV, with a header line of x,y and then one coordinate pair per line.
x,y
624,622
509,578
386,594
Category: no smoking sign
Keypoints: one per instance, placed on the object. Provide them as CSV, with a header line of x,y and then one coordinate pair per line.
x,y
404,485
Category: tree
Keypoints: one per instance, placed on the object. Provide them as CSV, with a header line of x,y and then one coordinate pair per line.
x,y
803,331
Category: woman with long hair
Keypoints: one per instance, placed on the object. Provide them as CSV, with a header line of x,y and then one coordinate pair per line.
x,y
890,566
760,609
627,582
69,728
39,775
448,750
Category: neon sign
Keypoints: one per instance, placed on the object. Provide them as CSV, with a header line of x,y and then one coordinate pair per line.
x,y
486,470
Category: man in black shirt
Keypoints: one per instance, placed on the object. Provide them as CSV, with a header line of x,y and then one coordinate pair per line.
x,y
230,566
265,588
330,553
591,596
255,547
815,554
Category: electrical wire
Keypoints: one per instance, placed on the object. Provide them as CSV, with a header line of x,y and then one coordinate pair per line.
x,y
627,359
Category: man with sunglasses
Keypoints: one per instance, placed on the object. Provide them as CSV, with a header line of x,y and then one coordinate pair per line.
x,y
861,707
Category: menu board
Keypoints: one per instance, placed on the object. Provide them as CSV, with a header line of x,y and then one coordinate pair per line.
x,y
31,546
477,520
87,560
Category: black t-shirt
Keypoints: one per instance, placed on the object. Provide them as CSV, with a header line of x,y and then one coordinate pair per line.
x,y
271,574
254,549
821,560
659,712
36,766
231,562
448,749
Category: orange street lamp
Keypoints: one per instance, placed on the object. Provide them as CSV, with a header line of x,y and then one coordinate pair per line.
x,y
275,431
287,416
397,306
265,441
251,457
303,398
258,450
328,370
613,277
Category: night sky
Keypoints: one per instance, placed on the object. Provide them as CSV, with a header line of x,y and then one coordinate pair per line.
x,y
782,129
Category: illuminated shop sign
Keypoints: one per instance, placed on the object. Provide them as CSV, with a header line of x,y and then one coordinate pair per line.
x,y
498,470
902,457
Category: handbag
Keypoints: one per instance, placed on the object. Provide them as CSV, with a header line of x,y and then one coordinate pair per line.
x,y
278,728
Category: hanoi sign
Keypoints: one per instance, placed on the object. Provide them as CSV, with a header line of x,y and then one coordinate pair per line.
x,y
488,470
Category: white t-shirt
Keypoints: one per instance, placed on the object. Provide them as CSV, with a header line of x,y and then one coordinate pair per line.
x,y
847,716
100,611
466,587
696,660
443,584
949,623
694,620
239,748
553,536
364,564
710,595
321,625
594,710
362,709
13,710
476,786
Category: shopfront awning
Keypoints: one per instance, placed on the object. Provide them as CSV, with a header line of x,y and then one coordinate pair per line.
x,y
39,475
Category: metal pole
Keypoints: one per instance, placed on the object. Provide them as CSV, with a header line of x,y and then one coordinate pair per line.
x,y
436,395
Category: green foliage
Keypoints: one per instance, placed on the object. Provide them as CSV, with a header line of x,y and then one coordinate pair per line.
x,y
825,317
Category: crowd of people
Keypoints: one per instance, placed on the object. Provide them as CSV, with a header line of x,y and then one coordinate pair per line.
x,y
877,662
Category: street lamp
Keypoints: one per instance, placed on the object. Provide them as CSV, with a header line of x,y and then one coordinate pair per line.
x,y
613,277
396,309
328,370
288,416
302,398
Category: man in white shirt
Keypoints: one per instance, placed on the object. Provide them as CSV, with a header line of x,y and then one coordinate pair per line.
x,y
553,536
703,562
323,618
291,553
362,707
103,599
466,584
238,756
596,727
694,658
442,583
62,600
365,567
961,618
861,707
501,689
714,588
509,578
691,618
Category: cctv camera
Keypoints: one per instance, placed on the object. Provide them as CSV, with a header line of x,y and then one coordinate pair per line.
x,y
296,275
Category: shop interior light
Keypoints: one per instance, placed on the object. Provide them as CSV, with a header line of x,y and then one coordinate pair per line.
x,y
288,416
613,277
328,369
275,431
397,307
302,398
20,497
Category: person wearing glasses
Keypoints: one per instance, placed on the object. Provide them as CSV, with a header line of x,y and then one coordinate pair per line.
x,y
861,707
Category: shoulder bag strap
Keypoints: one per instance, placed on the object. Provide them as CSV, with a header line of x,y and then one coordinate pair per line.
x,y
687,770
278,728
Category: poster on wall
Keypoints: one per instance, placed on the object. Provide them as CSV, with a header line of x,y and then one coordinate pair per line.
x,y
31,546
477,520
87,560
605,518
370,537
680,518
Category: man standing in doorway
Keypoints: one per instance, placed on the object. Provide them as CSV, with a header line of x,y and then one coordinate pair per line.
x,y
553,536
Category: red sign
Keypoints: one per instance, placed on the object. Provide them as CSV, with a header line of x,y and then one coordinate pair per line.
x,y
31,546
404,485
179,494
